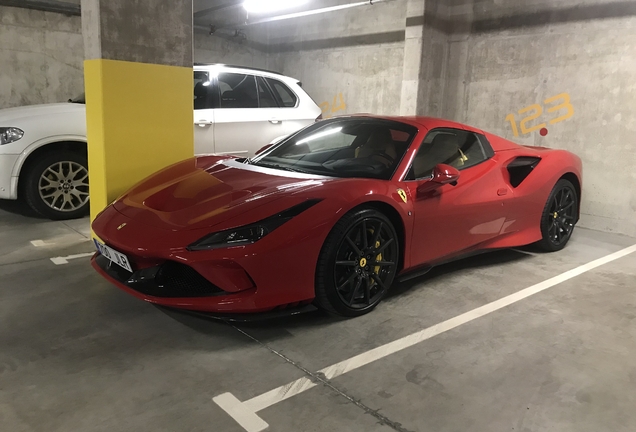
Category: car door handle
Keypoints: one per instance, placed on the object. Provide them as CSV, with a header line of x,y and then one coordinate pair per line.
x,y
203,123
502,192
273,121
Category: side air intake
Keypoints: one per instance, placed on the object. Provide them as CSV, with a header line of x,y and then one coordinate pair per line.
x,y
520,168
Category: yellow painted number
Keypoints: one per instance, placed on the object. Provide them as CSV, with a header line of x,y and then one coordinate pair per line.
x,y
538,111
565,105
338,106
513,123
326,109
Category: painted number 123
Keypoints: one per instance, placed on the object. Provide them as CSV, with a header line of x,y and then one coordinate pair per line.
x,y
535,111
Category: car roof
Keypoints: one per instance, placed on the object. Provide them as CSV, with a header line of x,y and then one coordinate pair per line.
x,y
241,69
419,121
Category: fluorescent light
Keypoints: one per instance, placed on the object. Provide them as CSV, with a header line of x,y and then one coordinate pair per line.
x,y
262,6
320,135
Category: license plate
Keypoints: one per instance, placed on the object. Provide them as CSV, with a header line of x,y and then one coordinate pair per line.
x,y
113,256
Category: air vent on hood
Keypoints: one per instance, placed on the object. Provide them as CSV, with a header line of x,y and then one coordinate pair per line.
x,y
520,168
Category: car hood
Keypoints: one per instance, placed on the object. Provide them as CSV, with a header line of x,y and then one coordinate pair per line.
x,y
208,191
27,112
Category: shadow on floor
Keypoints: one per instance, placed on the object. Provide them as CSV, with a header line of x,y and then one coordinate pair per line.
x,y
18,207
486,259
275,328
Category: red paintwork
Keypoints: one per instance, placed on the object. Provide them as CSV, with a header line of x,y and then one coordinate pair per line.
x,y
191,199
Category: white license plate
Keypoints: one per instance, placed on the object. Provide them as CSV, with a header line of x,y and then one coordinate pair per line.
x,y
115,257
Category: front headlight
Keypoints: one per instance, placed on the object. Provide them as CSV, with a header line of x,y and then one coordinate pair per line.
x,y
252,233
10,134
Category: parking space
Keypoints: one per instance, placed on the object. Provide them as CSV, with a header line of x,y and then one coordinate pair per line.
x,y
262,179
72,344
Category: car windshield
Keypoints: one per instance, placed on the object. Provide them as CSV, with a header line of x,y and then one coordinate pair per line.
x,y
79,99
352,147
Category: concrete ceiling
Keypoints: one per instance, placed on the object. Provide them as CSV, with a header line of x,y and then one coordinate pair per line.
x,y
226,15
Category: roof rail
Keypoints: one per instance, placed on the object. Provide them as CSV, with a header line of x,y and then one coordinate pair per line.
x,y
238,67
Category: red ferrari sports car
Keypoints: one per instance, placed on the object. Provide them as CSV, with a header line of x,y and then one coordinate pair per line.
x,y
332,215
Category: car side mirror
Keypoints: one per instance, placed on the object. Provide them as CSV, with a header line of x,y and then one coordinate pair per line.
x,y
442,174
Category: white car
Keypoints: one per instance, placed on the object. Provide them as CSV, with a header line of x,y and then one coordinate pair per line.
x,y
43,153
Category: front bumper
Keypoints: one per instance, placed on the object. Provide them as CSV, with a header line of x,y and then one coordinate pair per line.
x,y
162,281
8,183
267,276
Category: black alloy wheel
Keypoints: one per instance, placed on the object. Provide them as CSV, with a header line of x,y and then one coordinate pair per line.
x,y
559,216
357,264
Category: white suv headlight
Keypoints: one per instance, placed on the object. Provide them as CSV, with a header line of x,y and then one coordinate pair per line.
x,y
10,134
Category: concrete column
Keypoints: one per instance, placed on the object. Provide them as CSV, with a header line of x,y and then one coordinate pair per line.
x,y
425,58
138,79
413,51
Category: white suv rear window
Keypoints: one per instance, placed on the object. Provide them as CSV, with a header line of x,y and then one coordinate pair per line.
x,y
286,97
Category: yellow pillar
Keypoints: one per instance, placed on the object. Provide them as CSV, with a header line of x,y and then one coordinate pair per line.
x,y
139,120
139,100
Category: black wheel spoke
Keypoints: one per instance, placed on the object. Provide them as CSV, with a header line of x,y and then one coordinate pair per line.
x,y
567,206
347,263
384,246
353,246
355,292
367,291
348,281
365,242
377,280
382,263
378,230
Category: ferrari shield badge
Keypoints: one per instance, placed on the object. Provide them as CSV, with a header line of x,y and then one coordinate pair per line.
x,y
402,194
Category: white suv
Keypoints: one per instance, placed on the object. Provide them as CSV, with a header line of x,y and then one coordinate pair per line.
x,y
43,154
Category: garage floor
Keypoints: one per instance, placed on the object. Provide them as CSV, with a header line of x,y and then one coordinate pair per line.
x,y
77,354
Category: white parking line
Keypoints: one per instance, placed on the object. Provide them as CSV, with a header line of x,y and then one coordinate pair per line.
x,y
64,260
40,243
244,413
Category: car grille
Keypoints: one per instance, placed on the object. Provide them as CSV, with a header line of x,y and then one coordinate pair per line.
x,y
180,280
169,280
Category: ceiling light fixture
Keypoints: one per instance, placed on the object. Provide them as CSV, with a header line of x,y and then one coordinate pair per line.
x,y
260,6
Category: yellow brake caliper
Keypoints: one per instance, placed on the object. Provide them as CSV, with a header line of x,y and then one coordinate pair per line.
x,y
376,269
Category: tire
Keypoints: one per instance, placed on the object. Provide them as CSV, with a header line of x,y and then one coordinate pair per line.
x,y
354,272
56,185
559,216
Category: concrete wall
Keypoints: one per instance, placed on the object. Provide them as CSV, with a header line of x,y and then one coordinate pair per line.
x,y
227,49
515,55
349,61
41,55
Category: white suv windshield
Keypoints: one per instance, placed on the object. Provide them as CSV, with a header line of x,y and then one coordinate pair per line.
x,y
353,147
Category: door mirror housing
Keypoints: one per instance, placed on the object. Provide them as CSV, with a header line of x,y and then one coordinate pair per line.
x,y
442,174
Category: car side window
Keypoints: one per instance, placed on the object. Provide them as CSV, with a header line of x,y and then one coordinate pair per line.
x,y
237,91
286,97
202,90
265,97
455,147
